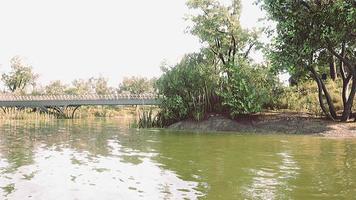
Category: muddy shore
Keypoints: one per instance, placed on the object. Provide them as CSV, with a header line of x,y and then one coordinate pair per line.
x,y
267,123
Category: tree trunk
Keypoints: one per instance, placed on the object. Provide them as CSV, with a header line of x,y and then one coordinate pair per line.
x,y
331,114
320,97
348,105
347,113
346,77
329,101
333,74
345,89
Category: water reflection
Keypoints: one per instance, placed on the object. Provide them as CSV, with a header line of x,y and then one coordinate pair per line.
x,y
65,159
274,181
83,161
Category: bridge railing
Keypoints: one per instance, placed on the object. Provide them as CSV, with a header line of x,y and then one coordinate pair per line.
x,y
6,97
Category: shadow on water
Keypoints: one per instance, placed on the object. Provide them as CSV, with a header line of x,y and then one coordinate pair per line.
x,y
104,159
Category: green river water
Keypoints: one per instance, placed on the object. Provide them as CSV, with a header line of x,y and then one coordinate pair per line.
x,y
103,159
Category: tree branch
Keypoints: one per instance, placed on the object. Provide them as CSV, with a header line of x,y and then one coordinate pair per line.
x,y
249,49
344,60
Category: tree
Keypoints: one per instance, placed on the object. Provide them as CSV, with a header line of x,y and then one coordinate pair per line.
x,y
81,87
20,76
218,27
312,33
100,85
136,85
55,88
221,78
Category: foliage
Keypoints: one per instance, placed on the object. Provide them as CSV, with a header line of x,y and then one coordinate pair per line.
x,y
301,98
55,88
173,109
218,27
136,85
220,78
91,86
249,90
304,97
24,114
100,86
187,89
147,119
20,76
80,87
311,34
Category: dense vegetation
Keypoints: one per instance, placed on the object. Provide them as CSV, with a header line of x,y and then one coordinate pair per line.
x,y
313,41
317,39
221,78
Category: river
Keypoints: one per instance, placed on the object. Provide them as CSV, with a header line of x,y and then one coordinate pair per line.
x,y
104,159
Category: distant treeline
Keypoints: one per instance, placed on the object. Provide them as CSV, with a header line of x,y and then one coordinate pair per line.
x,y
23,80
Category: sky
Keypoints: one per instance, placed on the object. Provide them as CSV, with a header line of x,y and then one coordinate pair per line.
x,y
70,39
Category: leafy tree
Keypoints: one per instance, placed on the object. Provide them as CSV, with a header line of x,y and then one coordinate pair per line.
x,y
221,77
311,34
136,85
81,87
100,85
20,76
91,86
56,88
218,27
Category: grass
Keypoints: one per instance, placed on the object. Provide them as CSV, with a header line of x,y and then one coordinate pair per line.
x,y
304,98
25,114
81,113
147,118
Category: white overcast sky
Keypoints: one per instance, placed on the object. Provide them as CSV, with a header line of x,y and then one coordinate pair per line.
x,y
70,39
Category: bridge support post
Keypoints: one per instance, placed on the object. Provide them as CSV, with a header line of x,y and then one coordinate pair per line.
x,y
73,113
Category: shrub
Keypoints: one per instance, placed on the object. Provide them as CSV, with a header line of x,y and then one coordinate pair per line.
x,y
250,89
187,90
240,95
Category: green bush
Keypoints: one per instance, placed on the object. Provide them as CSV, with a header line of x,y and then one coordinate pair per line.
x,y
195,87
239,95
187,90
249,89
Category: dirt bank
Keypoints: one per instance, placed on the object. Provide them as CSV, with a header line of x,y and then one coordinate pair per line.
x,y
287,123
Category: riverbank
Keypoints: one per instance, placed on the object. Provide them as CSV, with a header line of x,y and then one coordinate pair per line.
x,y
267,123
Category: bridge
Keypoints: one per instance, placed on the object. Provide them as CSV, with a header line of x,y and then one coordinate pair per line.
x,y
60,104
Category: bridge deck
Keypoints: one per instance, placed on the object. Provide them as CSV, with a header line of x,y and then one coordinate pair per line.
x,y
76,100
